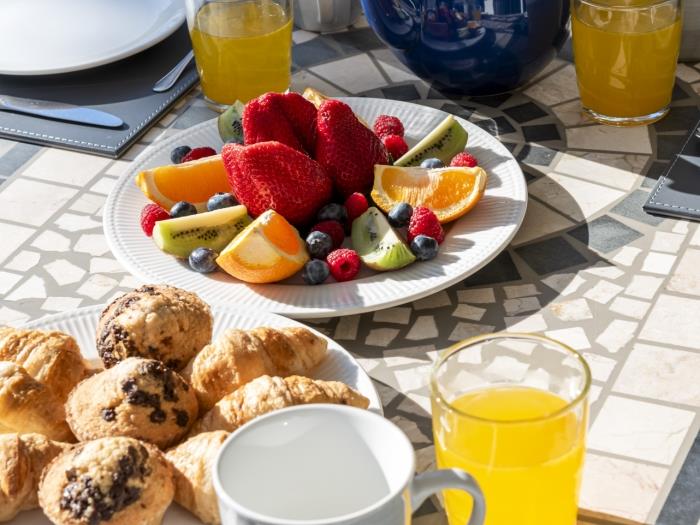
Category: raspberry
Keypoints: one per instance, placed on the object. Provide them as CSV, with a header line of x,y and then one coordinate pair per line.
x,y
387,125
425,222
151,214
344,264
332,228
464,160
395,145
356,204
199,153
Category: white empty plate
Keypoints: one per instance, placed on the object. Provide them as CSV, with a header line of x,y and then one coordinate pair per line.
x,y
39,37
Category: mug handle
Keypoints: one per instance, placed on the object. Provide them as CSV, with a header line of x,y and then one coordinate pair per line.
x,y
429,483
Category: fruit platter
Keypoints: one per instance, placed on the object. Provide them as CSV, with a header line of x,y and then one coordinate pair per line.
x,y
309,206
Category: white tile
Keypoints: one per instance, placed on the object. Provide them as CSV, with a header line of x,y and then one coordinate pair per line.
x,y
574,198
601,366
105,265
32,288
412,378
667,242
643,286
12,238
661,373
467,311
574,337
354,74
673,320
397,74
640,430
620,488
603,292
398,315
299,36
629,307
465,330
23,261
603,269
12,317
564,283
436,300
50,241
659,263
32,202
8,280
526,323
608,138
347,327
72,222
571,113
423,328
303,79
119,167
104,185
627,162
129,281
97,286
596,172
680,226
64,272
381,336
67,167
522,305
575,310
626,255
555,88
617,334
92,243
61,304
476,295
520,290
686,276
687,73
540,221
695,241
88,203
6,145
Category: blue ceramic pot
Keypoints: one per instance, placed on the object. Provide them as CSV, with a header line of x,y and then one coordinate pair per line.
x,y
475,47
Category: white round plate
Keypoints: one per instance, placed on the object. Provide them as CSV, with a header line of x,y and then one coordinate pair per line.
x,y
470,242
338,366
41,37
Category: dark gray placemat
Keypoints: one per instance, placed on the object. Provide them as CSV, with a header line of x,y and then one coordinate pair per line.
x,y
122,88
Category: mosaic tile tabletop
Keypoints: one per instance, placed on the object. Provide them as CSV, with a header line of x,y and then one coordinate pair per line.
x,y
588,267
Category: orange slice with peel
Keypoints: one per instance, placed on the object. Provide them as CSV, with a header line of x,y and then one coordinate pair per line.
x,y
267,251
448,192
193,181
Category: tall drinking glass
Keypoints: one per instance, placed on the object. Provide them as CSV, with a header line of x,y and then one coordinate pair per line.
x,y
625,53
243,48
511,409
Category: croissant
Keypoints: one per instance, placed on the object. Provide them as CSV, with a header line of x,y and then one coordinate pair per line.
x,y
52,358
192,463
28,406
22,458
265,394
239,356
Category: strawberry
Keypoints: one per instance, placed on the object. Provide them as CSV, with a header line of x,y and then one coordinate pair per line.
x,y
287,118
346,149
387,125
198,153
425,222
272,175
150,215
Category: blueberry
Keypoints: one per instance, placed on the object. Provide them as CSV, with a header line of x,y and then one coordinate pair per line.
x,y
432,163
178,153
203,260
319,244
333,212
221,200
400,214
182,209
315,271
424,247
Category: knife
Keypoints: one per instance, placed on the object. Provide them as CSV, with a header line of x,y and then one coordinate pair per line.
x,y
60,111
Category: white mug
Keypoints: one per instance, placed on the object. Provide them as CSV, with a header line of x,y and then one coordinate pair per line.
x,y
326,15
326,465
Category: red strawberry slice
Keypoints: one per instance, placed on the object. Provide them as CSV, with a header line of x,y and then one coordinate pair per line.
x,y
272,175
346,149
287,118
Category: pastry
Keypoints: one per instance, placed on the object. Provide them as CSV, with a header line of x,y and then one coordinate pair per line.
x,y
265,394
28,406
193,462
239,356
139,398
156,322
52,358
22,458
118,481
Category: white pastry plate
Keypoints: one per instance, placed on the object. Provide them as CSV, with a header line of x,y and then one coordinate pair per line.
x,y
338,366
40,37
470,243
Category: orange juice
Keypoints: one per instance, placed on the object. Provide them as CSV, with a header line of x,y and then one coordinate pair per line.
x,y
242,49
529,468
626,58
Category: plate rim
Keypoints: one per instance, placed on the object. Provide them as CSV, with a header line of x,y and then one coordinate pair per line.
x,y
291,310
177,18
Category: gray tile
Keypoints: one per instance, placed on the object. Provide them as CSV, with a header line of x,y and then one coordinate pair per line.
x,y
496,126
536,155
679,94
541,133
313,52
456,109
680,118
501,269
604,234
361,39
405,92
492,101
667,146
525,112
653,173
16,157
551,255
194,115
631,207
683,505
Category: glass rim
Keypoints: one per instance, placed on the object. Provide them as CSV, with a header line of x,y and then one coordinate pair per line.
x,y
461,345
658,3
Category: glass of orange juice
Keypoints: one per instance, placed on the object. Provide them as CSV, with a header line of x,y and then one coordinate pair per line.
x,y
625,53
511,409
243,48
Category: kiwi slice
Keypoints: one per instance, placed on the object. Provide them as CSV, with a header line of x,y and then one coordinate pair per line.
x,y
230,123
212,229
377,244
444,142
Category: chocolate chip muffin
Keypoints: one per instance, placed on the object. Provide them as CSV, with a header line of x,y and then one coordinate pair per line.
x,y
138,398
156,322
120,481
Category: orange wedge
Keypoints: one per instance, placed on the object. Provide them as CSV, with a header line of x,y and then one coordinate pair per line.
x,y
193,181
267,251
449,192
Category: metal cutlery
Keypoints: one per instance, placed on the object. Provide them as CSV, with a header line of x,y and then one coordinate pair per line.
x,y
60,111
168,81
